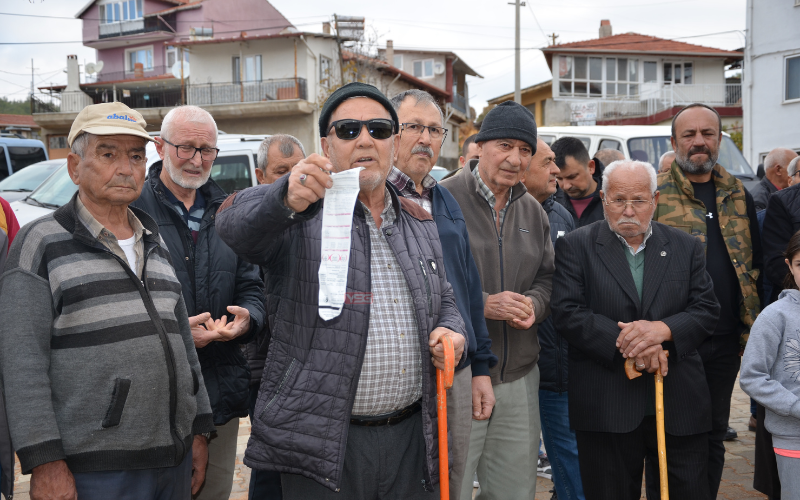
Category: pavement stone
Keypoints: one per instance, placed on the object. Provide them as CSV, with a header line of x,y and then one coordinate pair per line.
x,y
737,477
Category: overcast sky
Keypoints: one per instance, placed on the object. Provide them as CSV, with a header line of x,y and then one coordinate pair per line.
x,y
481,32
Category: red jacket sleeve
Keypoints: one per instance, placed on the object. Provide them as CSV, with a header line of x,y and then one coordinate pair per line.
x,y
11,221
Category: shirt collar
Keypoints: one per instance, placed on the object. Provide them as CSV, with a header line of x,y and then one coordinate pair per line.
x,y
406,185
647,235
96,229
388,215
199,200
485,190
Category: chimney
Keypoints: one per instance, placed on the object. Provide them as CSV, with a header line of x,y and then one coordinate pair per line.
x,y
326,28
605,28
390,52
73,75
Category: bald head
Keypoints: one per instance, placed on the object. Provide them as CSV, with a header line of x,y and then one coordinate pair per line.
x,y
775,166
609,156
665,163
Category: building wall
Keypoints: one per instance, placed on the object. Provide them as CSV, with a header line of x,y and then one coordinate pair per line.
x,y
769,122
408,66
303,127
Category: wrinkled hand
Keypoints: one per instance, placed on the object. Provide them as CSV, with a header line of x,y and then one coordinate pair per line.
x,y
437,351
482,397
199,462
652,359
508,306
239,326
53,481
317,170
201,335
637,336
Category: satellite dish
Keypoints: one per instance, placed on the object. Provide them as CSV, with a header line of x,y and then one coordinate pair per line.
x,y
438,68
92,68
176,69
98,66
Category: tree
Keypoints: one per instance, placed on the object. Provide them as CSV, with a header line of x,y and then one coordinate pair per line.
x,y
12,107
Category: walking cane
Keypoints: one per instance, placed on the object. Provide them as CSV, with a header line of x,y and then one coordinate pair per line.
x,y
632,373
444,381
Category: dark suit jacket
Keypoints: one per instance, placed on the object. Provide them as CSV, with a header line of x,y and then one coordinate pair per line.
x,y
595,290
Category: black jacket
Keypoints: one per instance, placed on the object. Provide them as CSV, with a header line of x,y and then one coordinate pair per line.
x,y
594,211
311,375
761,193
553,358
781,221
595,290
212,278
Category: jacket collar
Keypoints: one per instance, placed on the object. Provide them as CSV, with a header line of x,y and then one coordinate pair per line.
x,y
723,180
517,191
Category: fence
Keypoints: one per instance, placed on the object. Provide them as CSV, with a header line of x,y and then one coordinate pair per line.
x,y
132,75
202,94
460,103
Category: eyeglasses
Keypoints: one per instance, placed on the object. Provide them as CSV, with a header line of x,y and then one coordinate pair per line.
x,y
378,128
620,205
417,129
186,152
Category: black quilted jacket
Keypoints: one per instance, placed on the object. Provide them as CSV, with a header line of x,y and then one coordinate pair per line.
x,y
312,369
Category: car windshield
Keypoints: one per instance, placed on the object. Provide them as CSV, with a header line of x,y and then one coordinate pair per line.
x,y
439,173
650,149
22,156
29,178
56,191
731,158
231,173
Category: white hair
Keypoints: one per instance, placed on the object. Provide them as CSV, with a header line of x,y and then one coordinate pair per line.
x,y
630,165
793,166
193,114
286,144
79,144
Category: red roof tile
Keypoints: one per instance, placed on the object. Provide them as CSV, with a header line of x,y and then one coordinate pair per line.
x,y
634,42
21,120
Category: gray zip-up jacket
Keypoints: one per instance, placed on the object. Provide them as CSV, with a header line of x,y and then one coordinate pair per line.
x,y
311,374
98,366
771,368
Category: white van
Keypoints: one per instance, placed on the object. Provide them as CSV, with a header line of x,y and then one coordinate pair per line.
x,y
646,143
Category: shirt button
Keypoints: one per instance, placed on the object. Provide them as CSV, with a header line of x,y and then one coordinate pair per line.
x,y
395,301
402,335
390,266
404,370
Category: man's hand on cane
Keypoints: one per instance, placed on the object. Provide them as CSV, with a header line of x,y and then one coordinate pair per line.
x,y
436,349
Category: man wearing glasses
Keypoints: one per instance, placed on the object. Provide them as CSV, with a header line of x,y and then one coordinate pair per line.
x,y
421,138
347,405
224,295
629,287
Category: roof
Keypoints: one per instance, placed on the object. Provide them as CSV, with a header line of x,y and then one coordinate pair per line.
x,y
464,67
20,120
247,38
384,66
636,43
509,96
175,2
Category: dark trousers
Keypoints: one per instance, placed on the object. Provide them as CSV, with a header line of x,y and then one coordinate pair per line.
x,y
612,464
721,360
380,463
264,484
165,483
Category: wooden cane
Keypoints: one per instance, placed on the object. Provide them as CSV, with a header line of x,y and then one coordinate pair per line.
x,y
632,373
444,381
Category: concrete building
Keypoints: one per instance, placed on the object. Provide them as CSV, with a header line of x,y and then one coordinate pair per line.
x,y
771,92
534,98
633,79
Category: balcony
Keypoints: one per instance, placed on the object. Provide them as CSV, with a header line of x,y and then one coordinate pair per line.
x,y
123,33
204,94
460,104
117,76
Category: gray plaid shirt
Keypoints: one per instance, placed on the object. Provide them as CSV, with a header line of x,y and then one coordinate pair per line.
x,y
408,189
489,195
391,376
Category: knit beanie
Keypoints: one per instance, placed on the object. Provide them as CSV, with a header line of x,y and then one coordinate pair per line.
x,y
509,120
355,89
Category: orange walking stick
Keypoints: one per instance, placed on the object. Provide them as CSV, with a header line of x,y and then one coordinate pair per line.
x,y
444,381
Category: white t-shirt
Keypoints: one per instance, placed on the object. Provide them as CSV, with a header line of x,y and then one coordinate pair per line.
x,y
130,254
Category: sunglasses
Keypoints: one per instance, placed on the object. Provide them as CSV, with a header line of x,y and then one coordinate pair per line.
x,y
378,128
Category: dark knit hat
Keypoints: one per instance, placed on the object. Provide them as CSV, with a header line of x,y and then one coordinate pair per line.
x,y
356,89
509,120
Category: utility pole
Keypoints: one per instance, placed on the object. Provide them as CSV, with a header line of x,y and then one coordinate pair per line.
x,y
32,77
339,44
553,36
517,93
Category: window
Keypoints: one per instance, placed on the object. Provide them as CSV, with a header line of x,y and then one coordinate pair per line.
x,y
142,55
58,142
232,173
398,61
423,68
116,11
548,139
609,144
594,77
325,71
251,72
650,71
678,73
792,78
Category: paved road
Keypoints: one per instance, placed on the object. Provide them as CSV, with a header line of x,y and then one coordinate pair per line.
x,y
737,478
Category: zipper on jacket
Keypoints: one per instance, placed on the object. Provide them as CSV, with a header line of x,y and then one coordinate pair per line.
x,y
280,387
427,287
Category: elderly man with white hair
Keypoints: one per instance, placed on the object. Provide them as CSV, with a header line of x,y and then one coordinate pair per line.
x,y
224,294
792,169
630,287
776,176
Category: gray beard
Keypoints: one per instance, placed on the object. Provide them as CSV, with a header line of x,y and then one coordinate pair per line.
x,y
690,167
177,176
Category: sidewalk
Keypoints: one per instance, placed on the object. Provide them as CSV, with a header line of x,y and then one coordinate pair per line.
x,y
737,478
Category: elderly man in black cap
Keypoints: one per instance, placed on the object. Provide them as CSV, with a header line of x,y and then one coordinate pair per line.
x,y
510,239
347,405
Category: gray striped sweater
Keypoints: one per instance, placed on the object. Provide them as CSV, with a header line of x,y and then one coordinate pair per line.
x,y
98,366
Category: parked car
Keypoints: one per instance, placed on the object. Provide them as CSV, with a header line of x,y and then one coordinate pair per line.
x,y
438,173
234,169
647,143
17,185
16,154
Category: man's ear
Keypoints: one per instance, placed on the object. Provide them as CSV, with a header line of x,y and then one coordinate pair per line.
x,y
590,166
160,147
655,198
325,145
72,167
259,176
674,144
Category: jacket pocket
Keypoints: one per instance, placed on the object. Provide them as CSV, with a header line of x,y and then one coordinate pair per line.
x,y
281,387
117,405
427,286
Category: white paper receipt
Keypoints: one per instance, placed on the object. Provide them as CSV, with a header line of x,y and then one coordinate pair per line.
x,y
337,222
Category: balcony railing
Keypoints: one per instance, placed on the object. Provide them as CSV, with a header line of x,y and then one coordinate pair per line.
x,y
45,103
460,103
164,97
136,26
115,76
202,94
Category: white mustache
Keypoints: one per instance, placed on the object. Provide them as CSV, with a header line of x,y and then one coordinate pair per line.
x,y
628,220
